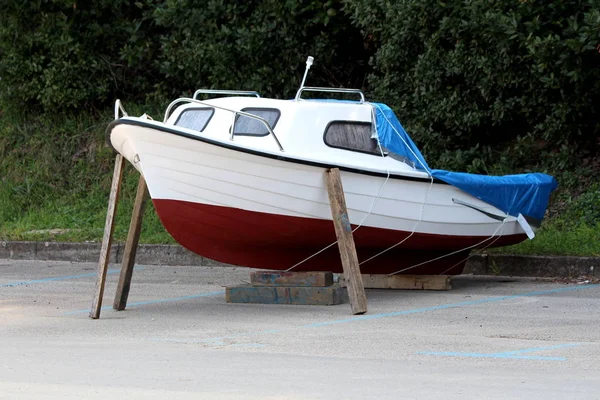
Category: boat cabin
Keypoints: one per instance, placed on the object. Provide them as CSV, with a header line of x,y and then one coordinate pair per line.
x,y
339,132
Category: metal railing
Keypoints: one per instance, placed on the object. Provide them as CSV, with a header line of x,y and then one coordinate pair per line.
x,y
231,92
235,112
329,90
119,107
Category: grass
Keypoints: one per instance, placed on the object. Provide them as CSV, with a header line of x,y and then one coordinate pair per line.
x,y
556,239
55,173
82,219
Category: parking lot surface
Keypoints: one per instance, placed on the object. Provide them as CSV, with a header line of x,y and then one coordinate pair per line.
x,y
487,338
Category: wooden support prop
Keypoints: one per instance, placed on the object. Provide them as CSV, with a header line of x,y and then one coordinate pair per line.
x,y
405,282
133,237
343,231
107,238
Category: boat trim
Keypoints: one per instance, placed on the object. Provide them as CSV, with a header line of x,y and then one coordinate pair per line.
x,y
474,207
249,110
329,90
119,109
262,154
229,92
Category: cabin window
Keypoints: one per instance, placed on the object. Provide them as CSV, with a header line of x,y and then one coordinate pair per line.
x,y
247,126
355,136
195,118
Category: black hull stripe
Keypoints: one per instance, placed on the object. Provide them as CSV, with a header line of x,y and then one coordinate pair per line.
x,y
113,124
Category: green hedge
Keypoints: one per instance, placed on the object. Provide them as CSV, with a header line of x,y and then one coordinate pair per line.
x,y
483,85
63,54
484,81
258,45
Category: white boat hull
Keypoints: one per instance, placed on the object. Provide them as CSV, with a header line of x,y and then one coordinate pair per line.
x,y
192,177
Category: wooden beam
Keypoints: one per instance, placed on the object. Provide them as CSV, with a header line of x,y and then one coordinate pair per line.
x,y
343,231
115,190
405,282
133,238
297,295
284,278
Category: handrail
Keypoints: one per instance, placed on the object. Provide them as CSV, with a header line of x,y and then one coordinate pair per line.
x,y
329,90
119,107
218,91
236,112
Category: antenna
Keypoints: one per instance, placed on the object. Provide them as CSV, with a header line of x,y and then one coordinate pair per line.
x,y
309,63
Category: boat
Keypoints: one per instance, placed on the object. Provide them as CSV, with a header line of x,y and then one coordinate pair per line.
x,y
240,179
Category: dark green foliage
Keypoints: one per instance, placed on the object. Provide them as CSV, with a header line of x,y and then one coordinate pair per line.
x,y
61,54
585,208
258,45
496,86
480,81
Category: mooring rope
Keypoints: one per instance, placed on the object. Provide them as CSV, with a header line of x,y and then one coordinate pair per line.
x,y
425,167
413,230
361,222
449,254
422,212
483,248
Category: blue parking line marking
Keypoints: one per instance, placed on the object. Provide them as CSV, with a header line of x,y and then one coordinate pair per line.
x,y
63,278
533,350
516,354
58,278
143,303
483,355
447,306
414,311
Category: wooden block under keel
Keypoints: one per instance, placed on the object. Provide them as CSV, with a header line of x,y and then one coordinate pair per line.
x,y
283,278
298,295
405,282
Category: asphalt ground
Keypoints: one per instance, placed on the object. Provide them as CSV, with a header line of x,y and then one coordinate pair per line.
x,y
487,338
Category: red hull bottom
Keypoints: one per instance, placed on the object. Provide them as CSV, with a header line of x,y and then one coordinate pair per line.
x,y
270,241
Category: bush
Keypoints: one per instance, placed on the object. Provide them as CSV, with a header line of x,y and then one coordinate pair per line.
x,y
62,54
258,45
484,86
584,209
482,81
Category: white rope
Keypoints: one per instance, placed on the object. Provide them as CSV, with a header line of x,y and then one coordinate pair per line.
x,y
425,167
483,248
361,222
449,254
426,195
414,228
422,212
420,216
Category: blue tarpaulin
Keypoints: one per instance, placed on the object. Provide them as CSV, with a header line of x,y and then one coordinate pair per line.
x,y
526,194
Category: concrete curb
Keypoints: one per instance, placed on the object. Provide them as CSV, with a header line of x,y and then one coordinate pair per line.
x,y
533,266
155,254
158,254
